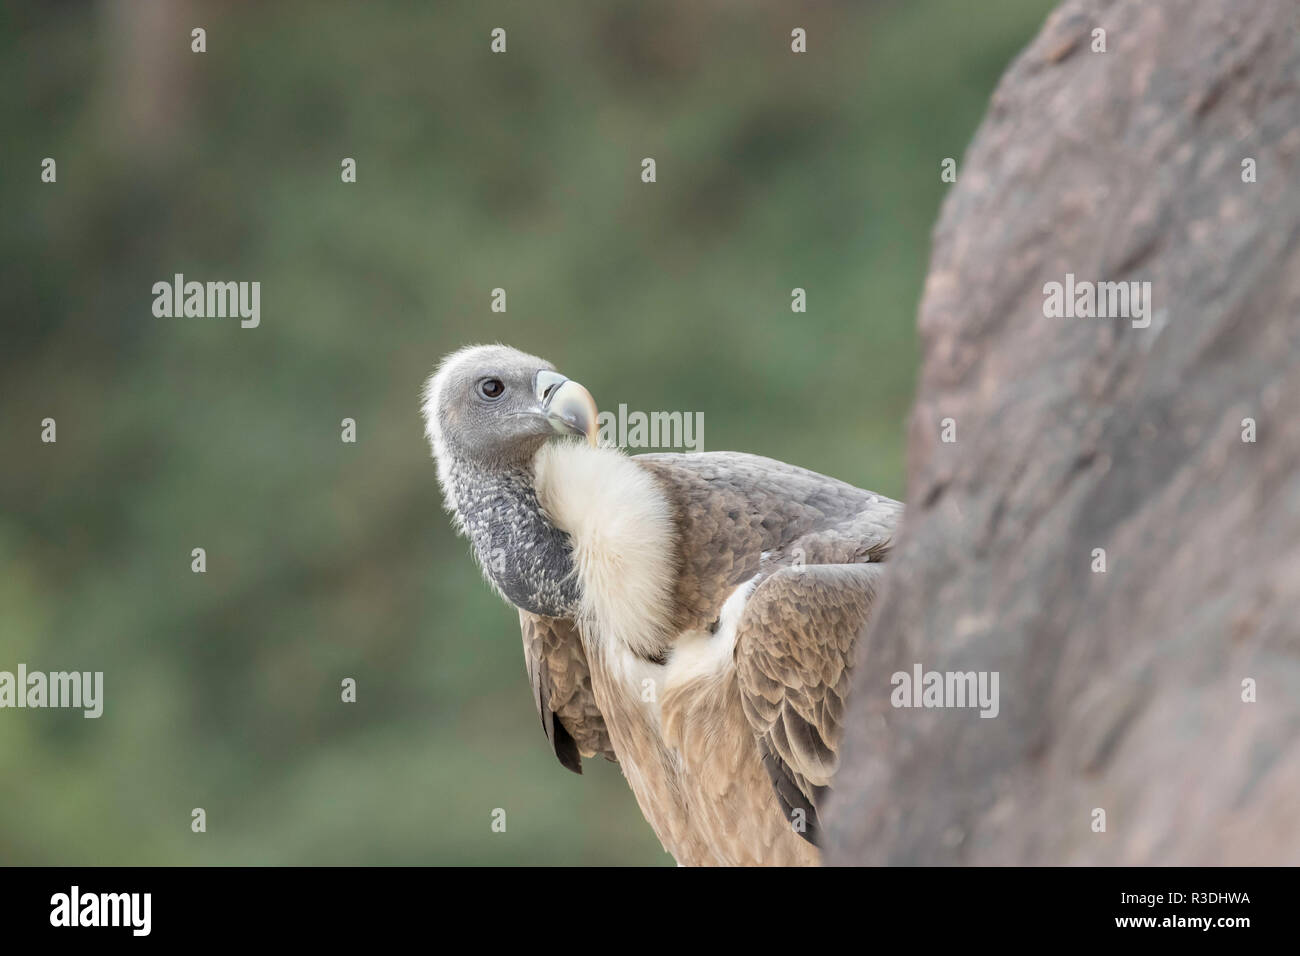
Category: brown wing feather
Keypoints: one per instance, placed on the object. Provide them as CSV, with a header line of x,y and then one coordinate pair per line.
x,y
794,651
739,515
561,685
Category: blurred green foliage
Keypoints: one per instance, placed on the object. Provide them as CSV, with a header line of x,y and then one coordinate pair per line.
x,y
328,560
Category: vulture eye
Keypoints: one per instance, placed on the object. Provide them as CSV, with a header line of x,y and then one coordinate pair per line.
x,y
491,388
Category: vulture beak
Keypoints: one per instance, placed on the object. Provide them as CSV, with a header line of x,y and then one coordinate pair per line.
x,y
567,406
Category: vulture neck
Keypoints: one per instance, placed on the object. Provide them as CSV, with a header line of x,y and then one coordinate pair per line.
x,y
621,528
521,551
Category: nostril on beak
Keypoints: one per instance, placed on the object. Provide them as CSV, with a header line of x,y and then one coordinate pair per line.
x,y
545,385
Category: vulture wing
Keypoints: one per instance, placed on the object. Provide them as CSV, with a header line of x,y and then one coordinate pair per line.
x,y
794,651
812,545
561,682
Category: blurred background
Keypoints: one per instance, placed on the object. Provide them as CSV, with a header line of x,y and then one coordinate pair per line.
x,y
328,560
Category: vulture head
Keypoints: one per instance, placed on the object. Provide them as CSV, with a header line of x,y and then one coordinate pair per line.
x,y
488,410
495,406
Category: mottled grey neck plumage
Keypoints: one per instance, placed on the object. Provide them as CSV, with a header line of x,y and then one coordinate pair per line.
x,y
523,554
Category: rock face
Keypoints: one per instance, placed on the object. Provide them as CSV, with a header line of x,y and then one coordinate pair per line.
x,y
1120,690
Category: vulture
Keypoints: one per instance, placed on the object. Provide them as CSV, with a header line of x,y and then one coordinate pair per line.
x,y
690,616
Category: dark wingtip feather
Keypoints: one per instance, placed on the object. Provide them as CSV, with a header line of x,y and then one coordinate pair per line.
x,y
566,748
791,797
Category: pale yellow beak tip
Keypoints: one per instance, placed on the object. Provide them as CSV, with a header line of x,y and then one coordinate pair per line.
x,y
573,409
